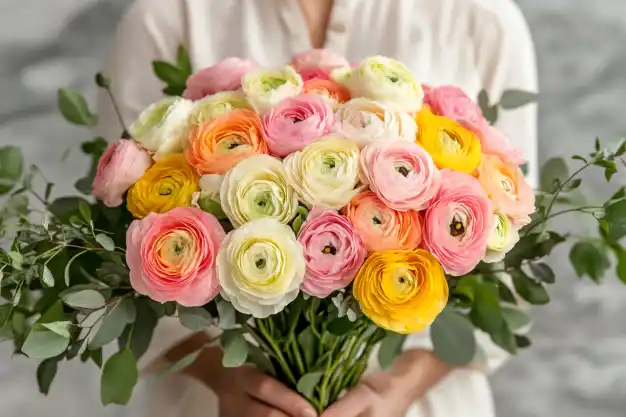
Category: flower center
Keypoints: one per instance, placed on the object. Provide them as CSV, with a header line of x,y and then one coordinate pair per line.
x,y
457,227
272,83
376,220
260,263
166,188
329,249
404,171
297,119
450,141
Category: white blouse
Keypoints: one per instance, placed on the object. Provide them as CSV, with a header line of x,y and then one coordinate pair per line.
x,y
474,44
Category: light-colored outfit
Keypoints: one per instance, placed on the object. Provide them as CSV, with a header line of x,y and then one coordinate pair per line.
x,y
474,44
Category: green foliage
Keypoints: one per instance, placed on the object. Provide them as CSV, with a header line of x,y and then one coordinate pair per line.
x,y
11,168
194,318
235,349
43,342
588,258
512,99
74,108
119,377
453,338
46,372
390,348
308,383
174,75
553,173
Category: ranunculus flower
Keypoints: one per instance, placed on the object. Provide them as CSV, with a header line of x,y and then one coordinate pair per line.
x,y
333,252
119,167
365,121
172,256
507,188
317,63
216,105
495,142
167,184
329,89
265,88
163,127
209,190
255,188
217,146
325,173
383,79
401,291
402,174
452,102
382,228
458,223
223,76
450,144
261,267
296,122
502,239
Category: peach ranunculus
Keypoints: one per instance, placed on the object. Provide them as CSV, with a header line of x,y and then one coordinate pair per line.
x,y
494,142
458,223
382,228
507,189
317,63
331,90
223,76
119,167
217,146
402,174
449,143
172,256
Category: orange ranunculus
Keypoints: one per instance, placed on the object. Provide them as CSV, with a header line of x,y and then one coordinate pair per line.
x,y
332,90
217,146
382,228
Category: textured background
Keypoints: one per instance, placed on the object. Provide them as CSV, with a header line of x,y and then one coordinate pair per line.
x,y
577,366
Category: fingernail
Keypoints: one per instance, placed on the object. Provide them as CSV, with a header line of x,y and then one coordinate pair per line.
x,y
308,413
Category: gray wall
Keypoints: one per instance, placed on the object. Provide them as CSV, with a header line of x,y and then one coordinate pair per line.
x,y
577,366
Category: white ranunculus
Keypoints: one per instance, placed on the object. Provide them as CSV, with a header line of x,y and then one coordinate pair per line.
x,y
217,105
163,127
265,88
366,121
209,189
257,187
261,267
325,172
504,236
383,79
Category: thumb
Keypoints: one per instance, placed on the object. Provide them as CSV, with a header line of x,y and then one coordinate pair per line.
x,y
357,401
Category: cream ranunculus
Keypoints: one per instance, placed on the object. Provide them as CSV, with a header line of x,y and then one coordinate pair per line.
x,y
216,105
366,121
326,172
261,267
383,79
163,127
257,187
265,88
209,189
504,236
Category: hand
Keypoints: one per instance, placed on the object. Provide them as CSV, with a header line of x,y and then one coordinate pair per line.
x,y
391,393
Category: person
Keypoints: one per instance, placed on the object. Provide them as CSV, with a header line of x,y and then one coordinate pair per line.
x,y
473,44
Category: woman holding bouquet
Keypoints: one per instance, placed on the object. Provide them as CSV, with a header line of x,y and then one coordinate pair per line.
x,y
474,44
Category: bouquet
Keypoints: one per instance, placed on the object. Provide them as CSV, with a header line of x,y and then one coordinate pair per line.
x,y
311,212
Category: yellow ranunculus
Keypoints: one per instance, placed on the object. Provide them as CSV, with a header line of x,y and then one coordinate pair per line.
x,y
450,144
169,183
400,290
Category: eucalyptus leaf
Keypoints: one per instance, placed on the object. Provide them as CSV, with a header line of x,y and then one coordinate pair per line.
x,y
390,347
87,299
307,341
553,169
68,267
46,276
113,324
85,211
340,326
42,343
105,241
119,377
141,330
307,384
512,99
589,259
235,349
259,358
194,318
227,316
530,290
453,338
515,318
543,272
62,328
11,167
74,108
46,371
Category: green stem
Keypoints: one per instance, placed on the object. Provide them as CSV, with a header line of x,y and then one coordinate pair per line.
x,y
298,356
279,354
558,213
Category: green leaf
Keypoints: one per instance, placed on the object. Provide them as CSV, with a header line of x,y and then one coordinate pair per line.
x,y
46,371
512,99
168,73
553,169
615,213
307,340
486,314
181,364
174,90
572,185
303,212
483,100
142,329
297,225
491,114
62,328
87,299
11,167
46,276
533,246
69,266
235,349
307,384
453,338
106,242
390,347
259,358
16,260
85,211
74,108
522,341
530,290
340,326
183,61
213,207
579,158
119,378
543,272
620,148
194,318
227,317
42,343
620,268
113,324
588,259
515,318
53,313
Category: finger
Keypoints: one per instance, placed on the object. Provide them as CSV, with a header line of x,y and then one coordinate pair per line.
x,y
275,394
354,404
258,409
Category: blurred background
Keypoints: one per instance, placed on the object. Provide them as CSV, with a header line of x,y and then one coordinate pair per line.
x,y
577,366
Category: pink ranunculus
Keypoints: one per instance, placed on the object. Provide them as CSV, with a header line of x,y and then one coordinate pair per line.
x,y
402,174
296,122
452,102
333,252
223,76
317,63
171,256
119,167
494,142
458,223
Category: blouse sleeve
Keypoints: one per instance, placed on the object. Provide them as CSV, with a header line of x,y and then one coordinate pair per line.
x,y
149,31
